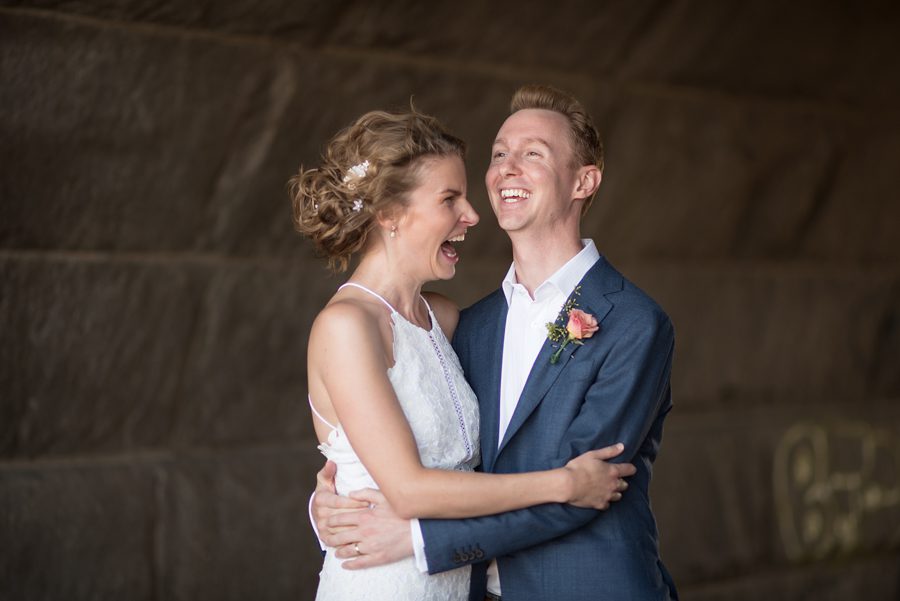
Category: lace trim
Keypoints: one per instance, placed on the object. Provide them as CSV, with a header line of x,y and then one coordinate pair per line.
x,y
457,406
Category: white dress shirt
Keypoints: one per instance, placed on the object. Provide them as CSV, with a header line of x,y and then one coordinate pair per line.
x,y
526,331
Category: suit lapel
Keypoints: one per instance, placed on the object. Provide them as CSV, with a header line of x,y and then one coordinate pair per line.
x,y
491,361
597,282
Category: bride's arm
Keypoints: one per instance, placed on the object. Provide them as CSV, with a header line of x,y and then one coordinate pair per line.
x,y
349,359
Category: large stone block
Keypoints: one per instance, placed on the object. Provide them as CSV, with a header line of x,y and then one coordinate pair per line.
x,y
93,353
147,135
741,491
237,526
759,333
873,578
694,177
245,379
687,177
163,140
300,22
78,531
837,54
843,54
108,355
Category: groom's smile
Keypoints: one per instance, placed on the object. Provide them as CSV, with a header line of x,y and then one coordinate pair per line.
x,y
514,195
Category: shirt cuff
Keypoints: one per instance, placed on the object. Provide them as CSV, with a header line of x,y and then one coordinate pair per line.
x,y
312,522
418,542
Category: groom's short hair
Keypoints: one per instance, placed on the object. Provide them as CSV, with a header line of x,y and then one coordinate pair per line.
x,y
586,143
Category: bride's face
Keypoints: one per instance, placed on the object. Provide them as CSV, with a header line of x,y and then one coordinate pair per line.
x,y
435,218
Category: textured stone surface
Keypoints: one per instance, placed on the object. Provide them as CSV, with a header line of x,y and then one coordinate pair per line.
x,y
192,122
154,305
761,332
238,526
866,578
207,134
748,490
802,50
694,178
780,183
97,363
78,532
117,355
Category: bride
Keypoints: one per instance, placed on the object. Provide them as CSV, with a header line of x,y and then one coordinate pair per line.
x,y
391,405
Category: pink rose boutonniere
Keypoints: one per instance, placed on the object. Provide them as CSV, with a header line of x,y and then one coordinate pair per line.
x,y
578,327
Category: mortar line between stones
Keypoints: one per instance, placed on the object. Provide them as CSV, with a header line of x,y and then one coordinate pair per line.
x,y
502,72
752,267
151,458
164,257
765,570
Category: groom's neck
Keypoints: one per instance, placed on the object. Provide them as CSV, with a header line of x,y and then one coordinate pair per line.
x,y
536,259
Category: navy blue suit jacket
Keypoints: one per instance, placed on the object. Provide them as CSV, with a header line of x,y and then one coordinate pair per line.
x,y
614,388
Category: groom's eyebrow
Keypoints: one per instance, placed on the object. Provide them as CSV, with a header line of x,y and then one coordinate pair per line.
x,y
539,141
526,140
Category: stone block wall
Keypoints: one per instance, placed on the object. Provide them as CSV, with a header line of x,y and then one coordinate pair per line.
x,y
155,441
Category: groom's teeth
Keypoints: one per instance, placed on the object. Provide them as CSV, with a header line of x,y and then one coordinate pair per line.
x,y
514,194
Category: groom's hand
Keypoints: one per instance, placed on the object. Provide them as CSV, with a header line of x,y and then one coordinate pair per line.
x,y
373,537
327,503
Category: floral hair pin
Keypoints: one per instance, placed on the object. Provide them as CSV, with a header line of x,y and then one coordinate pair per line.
x,y
356,172
357,205
577,328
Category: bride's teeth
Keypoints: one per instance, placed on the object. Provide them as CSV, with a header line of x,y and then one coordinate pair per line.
x,y
459,238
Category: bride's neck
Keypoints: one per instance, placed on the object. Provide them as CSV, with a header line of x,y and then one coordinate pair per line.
x,y
398,287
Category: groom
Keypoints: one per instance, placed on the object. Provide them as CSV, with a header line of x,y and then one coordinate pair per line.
x,y
538,413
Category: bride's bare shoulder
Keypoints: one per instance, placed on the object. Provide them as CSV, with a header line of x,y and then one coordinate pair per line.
x,y
346,318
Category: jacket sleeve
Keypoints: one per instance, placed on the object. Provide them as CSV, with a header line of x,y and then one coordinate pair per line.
x,y
628,395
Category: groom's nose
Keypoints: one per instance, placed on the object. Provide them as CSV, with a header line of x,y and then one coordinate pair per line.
x,y
510,166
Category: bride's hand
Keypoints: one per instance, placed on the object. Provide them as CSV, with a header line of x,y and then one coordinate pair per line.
x,y
595,482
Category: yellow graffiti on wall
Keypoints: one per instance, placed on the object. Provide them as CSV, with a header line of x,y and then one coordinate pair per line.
x,y
837,488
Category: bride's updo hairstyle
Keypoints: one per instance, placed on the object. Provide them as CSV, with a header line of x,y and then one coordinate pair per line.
x,y
367,169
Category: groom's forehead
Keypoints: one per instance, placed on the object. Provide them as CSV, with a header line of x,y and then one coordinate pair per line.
x,y
534,126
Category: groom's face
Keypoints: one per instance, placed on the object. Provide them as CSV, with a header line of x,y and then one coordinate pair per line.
x,y
531,178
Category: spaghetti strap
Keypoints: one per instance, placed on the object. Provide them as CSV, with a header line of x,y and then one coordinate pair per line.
x,y
319,415
427,306
375,294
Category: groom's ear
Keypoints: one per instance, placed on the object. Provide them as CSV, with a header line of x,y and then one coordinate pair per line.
x,y
586,182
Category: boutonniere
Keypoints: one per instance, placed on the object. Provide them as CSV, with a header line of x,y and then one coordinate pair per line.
x,y
573,325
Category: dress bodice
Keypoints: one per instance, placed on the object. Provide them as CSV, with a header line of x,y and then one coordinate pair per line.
x,y
442,412
438,403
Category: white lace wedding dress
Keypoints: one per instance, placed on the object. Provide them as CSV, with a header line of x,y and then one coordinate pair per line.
x,y
443,414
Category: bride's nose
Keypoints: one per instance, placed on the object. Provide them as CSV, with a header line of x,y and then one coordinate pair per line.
x,y
468,216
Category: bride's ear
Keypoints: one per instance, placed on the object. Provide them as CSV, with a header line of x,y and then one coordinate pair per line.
x,y
587,182
388,220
